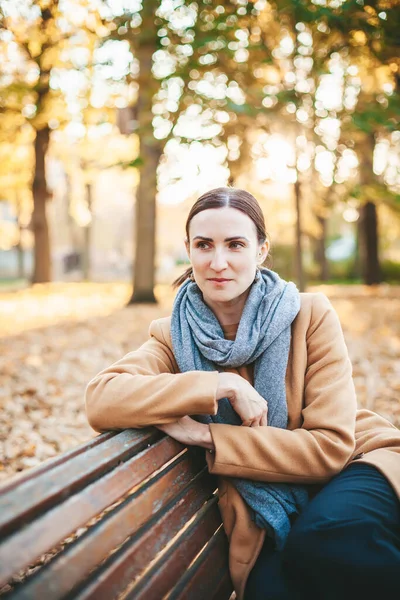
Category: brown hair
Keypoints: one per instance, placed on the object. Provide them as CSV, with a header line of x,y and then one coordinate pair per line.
x,y
220,198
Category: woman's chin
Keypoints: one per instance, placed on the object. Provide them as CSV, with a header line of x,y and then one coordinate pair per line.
x,y
221,295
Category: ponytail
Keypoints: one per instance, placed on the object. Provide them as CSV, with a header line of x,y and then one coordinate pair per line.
x,y
186,275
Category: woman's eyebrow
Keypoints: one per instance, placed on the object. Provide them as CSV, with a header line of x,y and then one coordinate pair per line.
x,y
229,239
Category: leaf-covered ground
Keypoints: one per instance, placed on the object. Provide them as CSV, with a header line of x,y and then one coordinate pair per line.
x,y
55,338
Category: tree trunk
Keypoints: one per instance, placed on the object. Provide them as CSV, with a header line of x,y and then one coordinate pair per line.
x,y
87,235
21,264
299,242
145,226
368,221
370,267
42,259
73,229
20,248
150,153
355,272
321,250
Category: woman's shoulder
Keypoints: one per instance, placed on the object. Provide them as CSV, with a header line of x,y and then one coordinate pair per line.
x,y
160,329
314,301
314,307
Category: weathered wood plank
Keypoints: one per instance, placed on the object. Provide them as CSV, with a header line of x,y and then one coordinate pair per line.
x,y
20,505
76,562
132,559
208,576
159,580
54,462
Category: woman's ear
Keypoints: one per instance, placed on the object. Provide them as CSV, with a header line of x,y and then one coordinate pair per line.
x,y
187,246
263,252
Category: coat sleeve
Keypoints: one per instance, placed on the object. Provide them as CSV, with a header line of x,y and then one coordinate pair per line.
x,y
322,446
143,388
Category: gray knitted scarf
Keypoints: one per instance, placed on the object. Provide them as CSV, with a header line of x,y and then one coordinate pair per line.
x,y
263,337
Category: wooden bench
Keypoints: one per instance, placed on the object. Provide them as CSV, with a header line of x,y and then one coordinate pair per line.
x,y
129,514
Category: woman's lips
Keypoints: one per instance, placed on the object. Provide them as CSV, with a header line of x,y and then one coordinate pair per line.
x,y
215,280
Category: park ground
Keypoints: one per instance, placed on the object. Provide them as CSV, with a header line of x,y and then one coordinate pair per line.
x,y
54,338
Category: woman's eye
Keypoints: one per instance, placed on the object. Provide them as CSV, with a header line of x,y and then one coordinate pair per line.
x,y
206,245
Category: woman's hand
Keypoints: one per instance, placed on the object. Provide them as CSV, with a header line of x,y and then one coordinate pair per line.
x,y
189,432
245,400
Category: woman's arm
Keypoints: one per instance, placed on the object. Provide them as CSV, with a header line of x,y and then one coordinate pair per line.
x,y
245,400
143,389
189,432
325,442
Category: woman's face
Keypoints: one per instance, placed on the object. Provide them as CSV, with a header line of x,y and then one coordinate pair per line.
x,y
224,251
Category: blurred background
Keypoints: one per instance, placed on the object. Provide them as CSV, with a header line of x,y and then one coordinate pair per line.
x,y
115,115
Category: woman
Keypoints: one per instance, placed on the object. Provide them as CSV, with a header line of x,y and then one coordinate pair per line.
x,y
308,485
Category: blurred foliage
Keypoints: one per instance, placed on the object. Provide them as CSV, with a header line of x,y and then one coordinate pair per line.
x,y
391,271
243,71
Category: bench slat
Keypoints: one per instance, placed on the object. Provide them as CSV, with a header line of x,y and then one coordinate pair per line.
x,y
93,547
208,572
161,577
54,526
128,563
54,462
225,588
141,513
20,505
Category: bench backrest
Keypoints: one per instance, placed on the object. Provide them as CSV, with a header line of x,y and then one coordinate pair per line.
x,y
129,514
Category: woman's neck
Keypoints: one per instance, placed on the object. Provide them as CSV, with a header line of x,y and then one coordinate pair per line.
x,y
228,313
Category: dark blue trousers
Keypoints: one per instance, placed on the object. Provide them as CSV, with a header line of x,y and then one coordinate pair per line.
x,y
344,545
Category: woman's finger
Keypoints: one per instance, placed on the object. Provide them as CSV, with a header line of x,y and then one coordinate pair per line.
x,y
256,422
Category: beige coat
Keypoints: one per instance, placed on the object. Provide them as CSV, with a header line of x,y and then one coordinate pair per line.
x,y
325,431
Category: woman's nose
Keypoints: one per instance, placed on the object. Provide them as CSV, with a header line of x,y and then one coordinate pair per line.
x,y
218,261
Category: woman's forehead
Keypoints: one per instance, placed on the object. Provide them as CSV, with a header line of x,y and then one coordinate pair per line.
x,y
221,223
